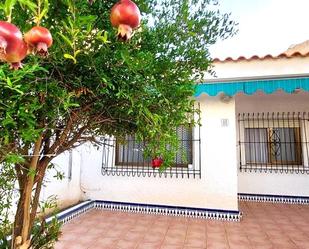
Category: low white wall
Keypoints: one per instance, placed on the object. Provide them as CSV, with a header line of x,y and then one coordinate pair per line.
x,y
217,188
67,191
273,183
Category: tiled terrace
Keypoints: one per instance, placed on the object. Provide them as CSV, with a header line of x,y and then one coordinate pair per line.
x,y
264,226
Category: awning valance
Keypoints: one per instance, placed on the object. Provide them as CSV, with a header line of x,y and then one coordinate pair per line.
x,y
268,86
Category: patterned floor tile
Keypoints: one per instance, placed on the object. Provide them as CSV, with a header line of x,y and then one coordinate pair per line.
x,y
264,226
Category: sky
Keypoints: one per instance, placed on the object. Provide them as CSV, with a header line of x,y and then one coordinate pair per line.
x,y
265,27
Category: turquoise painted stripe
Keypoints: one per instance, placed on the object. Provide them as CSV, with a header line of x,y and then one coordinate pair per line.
x,y
250,87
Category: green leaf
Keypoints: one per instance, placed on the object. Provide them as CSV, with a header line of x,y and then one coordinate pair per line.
x,y
43,13
8,120
9,82
83,20
11,87
31,172
44,10
104,37
68,56
59,175
17,90
77,52
29,4
66,39
8,6
67,105
14,158
2,74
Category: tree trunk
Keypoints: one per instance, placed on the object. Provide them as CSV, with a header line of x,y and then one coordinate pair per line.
x,y
36,197
22,228
32,176
22,218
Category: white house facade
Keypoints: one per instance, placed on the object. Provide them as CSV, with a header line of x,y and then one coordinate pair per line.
x,y
253,142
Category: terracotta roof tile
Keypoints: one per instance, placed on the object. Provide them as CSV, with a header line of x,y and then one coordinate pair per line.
x,y
298,50
256,57
302,48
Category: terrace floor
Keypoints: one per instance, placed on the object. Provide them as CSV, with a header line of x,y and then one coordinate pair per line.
x,y
264,226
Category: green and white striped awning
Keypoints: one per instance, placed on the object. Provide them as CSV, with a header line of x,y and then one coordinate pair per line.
x,y
268,86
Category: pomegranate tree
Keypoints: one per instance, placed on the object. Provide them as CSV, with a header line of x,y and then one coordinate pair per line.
x,y
125,16
53,106
12,46
39,39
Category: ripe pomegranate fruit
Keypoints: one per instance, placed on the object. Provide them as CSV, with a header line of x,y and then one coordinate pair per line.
x,y
125,16
156,162
12,46
15,57
39,39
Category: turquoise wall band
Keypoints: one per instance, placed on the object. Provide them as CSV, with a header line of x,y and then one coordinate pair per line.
x,y
251,86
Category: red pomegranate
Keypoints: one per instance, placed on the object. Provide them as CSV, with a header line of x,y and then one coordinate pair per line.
x,y
125,16
156,162
12,47
39,39
15,57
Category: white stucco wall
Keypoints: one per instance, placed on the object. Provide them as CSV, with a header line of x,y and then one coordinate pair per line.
x,y
273,183
279,66
67,191
217,188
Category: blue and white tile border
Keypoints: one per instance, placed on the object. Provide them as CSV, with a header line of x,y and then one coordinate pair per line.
x,y
69,214
202,213
73,212
286,199
215,214
224,215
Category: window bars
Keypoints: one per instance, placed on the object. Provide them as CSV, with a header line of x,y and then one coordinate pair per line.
x,y
127,159
275,141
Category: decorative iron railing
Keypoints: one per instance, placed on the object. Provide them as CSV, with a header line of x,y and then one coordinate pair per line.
x,y
127,158
274,141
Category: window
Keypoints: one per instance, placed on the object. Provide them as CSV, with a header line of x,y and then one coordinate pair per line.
x,y
273,141
273,146
132,152
128,158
